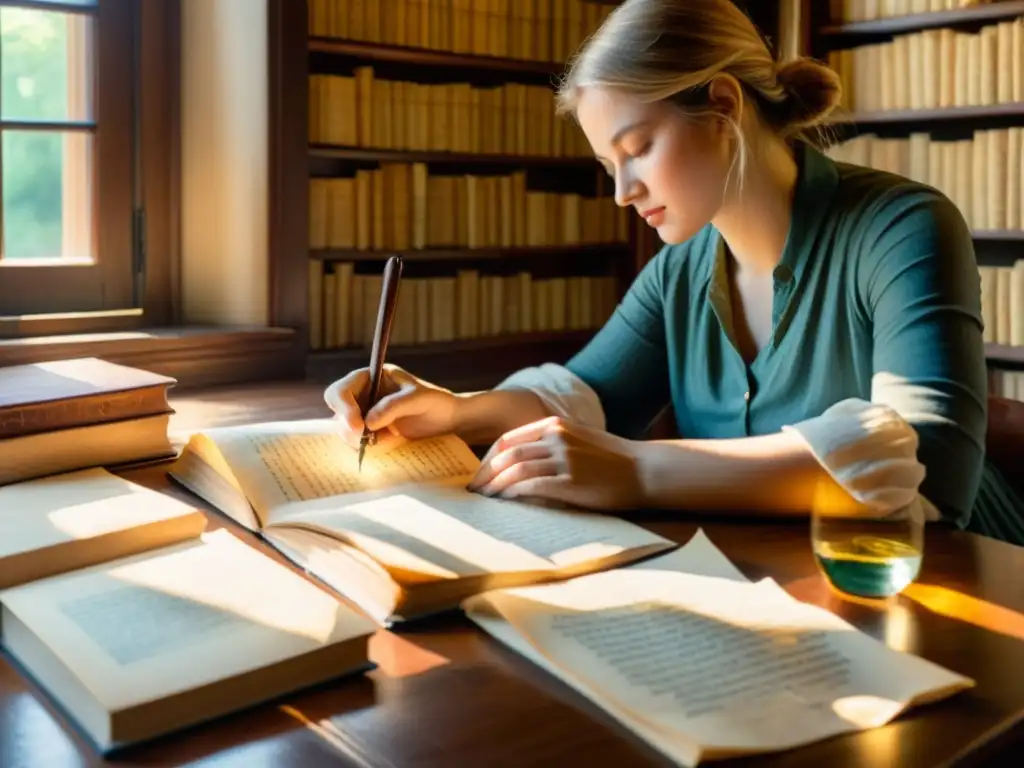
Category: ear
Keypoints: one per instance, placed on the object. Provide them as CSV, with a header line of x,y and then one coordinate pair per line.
x,y
725,96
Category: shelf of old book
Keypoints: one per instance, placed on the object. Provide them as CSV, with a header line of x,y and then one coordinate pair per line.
x,y
591,250
478,344
959,17
955,128
371,154
998,235
466,364
426,57
992,113
1004,353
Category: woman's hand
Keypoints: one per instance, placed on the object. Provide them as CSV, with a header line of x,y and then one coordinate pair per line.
x,y
556,460
407,406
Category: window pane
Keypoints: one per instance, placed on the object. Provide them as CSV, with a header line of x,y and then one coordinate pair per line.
x,y
47,191
45,61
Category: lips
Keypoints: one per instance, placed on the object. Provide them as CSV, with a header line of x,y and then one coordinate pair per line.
x,y
654,216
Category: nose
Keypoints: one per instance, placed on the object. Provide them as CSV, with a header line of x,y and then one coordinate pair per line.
x,y
628,189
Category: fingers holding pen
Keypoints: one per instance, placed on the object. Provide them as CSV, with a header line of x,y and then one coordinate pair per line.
x,y
392,407
342,397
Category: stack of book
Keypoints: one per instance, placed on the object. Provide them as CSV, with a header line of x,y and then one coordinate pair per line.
x,y
137,621
71,414
115,599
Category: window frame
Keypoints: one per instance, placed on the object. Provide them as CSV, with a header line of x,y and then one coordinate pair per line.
x,y
135,167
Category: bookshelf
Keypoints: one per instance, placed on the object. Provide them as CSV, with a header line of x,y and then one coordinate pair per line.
x,y
994,114
426,128
480,159
500,208
935,92
375,52
874,17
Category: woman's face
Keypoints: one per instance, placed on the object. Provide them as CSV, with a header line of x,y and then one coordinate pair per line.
x,y
670,168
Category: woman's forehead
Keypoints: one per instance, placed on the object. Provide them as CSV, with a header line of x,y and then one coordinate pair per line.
x,y
607,113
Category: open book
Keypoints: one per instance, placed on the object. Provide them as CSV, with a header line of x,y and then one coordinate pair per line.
x,y
136,622
703,664
403,537
58,523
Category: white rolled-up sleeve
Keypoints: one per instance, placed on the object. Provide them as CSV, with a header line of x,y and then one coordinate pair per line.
x,y
563,393
871,452
867,448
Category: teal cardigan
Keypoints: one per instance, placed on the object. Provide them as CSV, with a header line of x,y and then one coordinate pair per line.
x,y
877,297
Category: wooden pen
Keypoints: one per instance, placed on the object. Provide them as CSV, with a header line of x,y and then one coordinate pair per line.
x,y
381,335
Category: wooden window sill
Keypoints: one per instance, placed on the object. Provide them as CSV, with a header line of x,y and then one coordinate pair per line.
x,y
196,356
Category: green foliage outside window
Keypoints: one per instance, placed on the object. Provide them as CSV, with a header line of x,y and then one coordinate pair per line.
x,y
34,69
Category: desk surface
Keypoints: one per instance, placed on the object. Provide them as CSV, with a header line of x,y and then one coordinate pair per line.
x,y
444,694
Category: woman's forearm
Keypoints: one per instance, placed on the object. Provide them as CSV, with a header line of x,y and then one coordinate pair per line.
x,y
771,473
483,417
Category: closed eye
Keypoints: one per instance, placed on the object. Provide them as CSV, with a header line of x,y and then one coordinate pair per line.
x,y
644,149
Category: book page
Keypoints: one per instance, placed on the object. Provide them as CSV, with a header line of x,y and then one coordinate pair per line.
x,y
145,627
445,531
698,556
74,506
731,666
282,462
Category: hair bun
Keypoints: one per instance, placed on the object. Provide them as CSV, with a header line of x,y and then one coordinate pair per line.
x,y
812,92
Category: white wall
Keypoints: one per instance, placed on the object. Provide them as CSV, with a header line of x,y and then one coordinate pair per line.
x,y
224,184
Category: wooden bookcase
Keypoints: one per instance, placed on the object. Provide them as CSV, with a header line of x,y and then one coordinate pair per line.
x,y
430,50
952,124
381,144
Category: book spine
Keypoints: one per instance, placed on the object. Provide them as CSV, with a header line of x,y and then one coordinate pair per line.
x,y
35,418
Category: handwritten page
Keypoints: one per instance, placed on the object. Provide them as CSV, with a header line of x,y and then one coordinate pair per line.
x,y
279,463
443,530
708,665
727,667
141,628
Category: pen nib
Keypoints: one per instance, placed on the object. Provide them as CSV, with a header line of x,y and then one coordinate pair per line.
x,y
362,452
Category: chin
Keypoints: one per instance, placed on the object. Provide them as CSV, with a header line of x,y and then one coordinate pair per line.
x,y
672,233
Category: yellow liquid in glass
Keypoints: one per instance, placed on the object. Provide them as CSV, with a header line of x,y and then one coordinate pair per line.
x,y
867,565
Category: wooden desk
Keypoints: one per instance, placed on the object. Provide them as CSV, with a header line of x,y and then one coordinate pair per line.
x,y
446,695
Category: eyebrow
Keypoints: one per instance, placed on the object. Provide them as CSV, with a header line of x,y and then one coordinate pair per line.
x,y
619,134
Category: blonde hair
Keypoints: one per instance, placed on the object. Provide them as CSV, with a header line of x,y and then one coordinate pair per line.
x,y
672,49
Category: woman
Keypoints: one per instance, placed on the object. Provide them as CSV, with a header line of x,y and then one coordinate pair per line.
x,y
814,325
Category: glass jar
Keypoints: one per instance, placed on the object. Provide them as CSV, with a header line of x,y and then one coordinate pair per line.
x,y
864,553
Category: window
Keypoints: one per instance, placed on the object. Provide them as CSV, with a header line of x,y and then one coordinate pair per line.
x,y
68,155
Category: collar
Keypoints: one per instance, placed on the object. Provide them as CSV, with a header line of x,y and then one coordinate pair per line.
x,y
817,180
816,183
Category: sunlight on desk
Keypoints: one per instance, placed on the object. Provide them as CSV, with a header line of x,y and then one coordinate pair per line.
x,y
330,733
877,746
397,657
229,412
80,337
956,605
899,630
